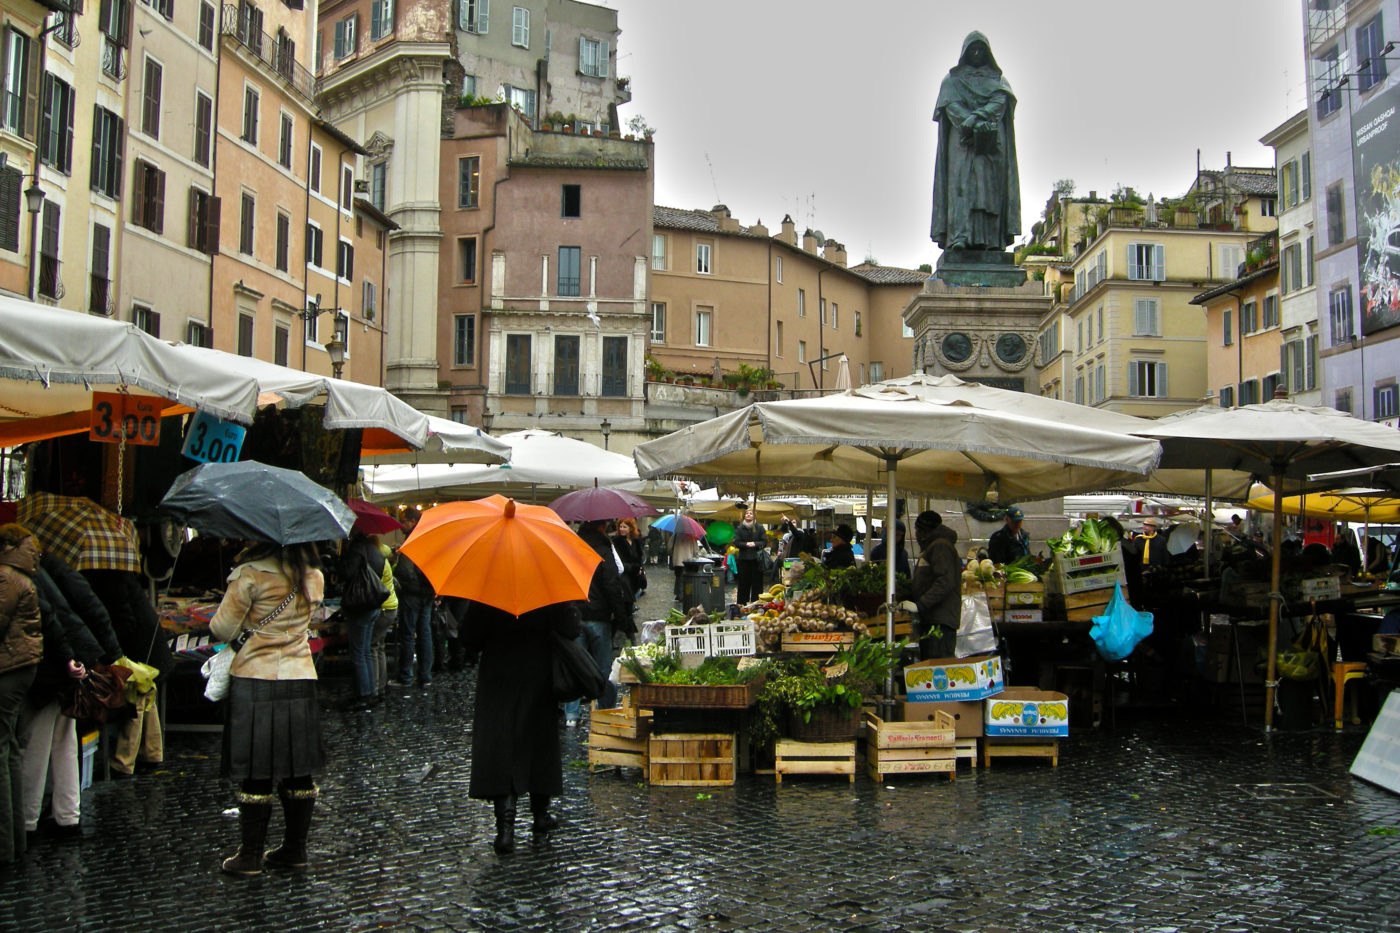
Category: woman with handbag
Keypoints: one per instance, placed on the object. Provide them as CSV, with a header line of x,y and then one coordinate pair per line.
x,y
515,739
362,596
272,727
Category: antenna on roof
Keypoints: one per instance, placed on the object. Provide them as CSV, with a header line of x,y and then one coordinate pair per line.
x,y
714,183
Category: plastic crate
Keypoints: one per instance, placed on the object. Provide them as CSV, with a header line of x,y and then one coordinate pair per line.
x,y
733,639
688,639
87,758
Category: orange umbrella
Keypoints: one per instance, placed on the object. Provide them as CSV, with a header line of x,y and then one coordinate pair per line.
x,y
513,557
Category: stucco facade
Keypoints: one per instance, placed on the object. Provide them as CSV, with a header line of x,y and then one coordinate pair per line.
x,y
1297,245
725,295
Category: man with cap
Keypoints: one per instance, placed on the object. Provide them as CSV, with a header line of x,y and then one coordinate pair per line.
x,y
936,586
841,554
1011,540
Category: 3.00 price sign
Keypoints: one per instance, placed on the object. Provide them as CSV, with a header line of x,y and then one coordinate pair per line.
x,y
211,440
116,417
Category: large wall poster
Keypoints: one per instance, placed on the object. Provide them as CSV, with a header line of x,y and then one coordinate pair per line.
x,y
1376,162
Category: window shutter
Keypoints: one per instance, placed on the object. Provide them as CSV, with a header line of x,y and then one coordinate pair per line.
x,y
582,55
604,49
31,92
483,14
464,10
1102,265
158,217
1159,263
10,183
1305,169
95,170
1133,271
66,142
1161,380
376,22
1133,388
138,195
193,224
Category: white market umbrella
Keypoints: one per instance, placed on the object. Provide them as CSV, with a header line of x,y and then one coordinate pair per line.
x,y
543,465
843,373
447,442
1280,440
884,435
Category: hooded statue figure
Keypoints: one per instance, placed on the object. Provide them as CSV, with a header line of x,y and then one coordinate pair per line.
x,y
976,187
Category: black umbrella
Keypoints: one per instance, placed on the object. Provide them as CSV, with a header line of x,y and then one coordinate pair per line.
x,y
256,502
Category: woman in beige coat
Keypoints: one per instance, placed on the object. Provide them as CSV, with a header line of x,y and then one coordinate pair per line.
x,y
272,730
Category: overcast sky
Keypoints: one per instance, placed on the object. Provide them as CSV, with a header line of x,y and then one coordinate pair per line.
x,y
823,110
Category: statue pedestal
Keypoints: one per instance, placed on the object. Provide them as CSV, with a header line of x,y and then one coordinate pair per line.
x,y
979,333
990,267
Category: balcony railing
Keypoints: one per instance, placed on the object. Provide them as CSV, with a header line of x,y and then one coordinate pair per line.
x,y
113,59
99,299
277,56
49,284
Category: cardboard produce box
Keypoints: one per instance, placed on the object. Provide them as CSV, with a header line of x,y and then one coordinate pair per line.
x,y
1028,712
947,679
1017,596
967,715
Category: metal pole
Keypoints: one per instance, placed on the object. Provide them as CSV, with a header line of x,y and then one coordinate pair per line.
x,y
1210,521
1270,681
891,465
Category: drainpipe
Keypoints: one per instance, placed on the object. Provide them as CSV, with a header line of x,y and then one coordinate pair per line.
x,y
41,41
821,350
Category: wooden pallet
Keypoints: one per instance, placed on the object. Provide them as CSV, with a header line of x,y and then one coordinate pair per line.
x,y
692,759
993,747
794,757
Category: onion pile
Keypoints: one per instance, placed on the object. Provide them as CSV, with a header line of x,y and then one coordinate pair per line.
x,y
806,613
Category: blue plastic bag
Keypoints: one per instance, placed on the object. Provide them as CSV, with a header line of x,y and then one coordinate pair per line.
x,y
1117,632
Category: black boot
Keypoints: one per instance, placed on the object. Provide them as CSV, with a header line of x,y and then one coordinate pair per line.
x,y
543,821
297,808
505,825
254,810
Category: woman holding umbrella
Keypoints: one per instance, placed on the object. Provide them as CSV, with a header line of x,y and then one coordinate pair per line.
x,y
272,734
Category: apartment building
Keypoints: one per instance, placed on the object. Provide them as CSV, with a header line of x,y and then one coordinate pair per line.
x,y
1244,335
1121,332
1297,288
1350,49
545,238
724,295
392,73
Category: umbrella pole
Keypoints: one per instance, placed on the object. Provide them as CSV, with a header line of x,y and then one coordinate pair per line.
x,y
1209,521
891,464
1271,681
870,523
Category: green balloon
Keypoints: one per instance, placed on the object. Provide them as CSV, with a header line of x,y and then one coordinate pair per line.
x,y
720,533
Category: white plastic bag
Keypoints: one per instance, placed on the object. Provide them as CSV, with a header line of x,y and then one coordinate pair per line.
x,y
216,673
975,635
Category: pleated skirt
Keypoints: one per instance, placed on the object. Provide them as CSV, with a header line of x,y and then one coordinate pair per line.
x,y
272,730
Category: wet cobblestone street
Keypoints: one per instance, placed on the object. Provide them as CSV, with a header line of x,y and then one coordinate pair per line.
x,y
1165,824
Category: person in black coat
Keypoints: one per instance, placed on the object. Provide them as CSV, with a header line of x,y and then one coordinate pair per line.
x,y
751,542
901,556
608,610
841,553
630,547
515,740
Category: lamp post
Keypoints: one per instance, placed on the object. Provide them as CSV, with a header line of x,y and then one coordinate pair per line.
x,y
336,346
606,428
487,416
34,203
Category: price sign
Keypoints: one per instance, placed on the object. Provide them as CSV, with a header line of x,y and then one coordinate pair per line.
x,y
117,416
211,440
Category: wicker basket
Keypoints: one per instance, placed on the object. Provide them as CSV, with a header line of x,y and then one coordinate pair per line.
x,y
829,723
687,696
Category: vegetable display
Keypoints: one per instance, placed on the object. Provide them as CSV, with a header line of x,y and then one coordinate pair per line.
x,y
1090,537
806,613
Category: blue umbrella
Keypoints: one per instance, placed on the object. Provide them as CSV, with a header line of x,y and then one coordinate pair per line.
x,y
687,527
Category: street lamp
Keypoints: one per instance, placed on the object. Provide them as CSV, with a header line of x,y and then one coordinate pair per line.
x,y
336,346
34,203
606,428
487,416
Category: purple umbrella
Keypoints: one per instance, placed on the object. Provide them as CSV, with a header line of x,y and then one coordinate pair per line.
x,y
600,504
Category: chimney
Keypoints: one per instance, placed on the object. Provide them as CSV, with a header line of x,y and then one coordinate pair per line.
x,y
809,242
788,233
758,229
834,252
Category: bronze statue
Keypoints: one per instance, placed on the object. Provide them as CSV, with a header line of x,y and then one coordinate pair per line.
x,y
976,187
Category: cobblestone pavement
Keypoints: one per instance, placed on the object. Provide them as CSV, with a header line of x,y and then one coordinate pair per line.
x,y
1166,824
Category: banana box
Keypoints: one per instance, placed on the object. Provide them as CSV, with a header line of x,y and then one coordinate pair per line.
x,y
941,680
1027,711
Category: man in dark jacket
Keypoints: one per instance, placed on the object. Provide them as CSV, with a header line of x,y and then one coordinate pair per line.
x,y
937,586
608,609
1011,541
416,597
841,554
751,542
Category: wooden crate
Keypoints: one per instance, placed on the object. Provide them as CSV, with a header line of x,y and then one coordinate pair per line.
x,y
610,751
688,696
903,625
692,759
910,747
794,757
1001,747
1016,596
625,722
966,750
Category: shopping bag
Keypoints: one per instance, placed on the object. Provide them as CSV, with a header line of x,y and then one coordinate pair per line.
x,y
1117,632
216,673
95,696
975,635
576,676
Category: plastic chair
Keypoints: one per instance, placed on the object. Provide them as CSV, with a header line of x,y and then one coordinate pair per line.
x,y
1343,673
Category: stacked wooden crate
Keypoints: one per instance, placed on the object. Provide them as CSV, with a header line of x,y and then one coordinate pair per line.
x,y
793,757
617,738
1083,585
928,747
